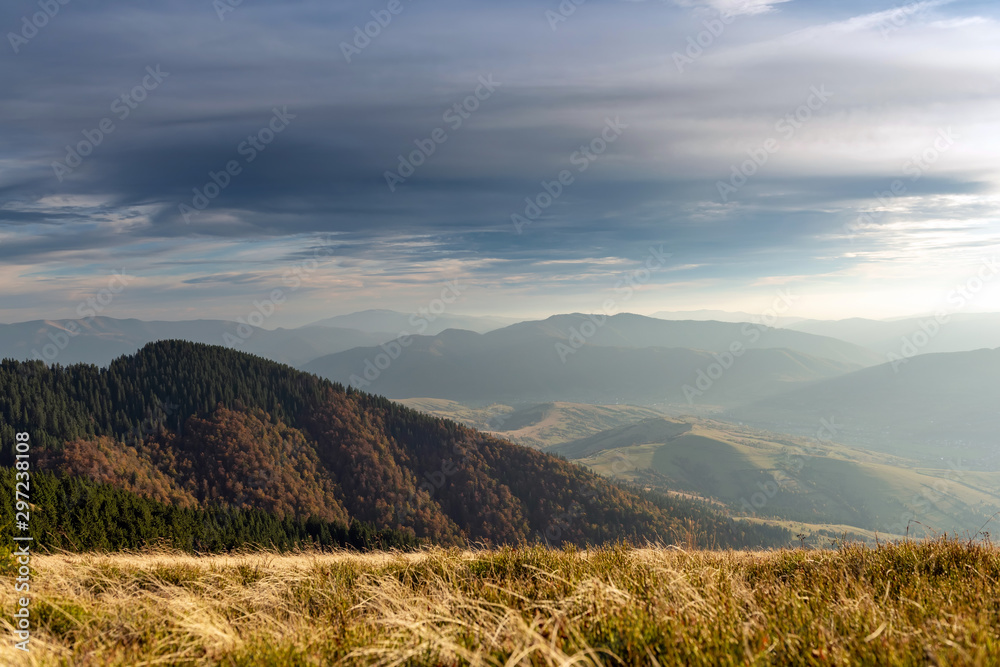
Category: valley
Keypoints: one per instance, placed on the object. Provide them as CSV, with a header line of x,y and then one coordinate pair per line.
x,y
500,334
772,426
814,482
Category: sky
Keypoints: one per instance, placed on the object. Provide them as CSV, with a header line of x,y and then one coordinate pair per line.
x,y
713,154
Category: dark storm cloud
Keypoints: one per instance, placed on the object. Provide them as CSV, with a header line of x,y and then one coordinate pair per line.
x,y
348,123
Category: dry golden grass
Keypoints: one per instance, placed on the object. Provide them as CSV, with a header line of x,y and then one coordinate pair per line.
x,y
907,604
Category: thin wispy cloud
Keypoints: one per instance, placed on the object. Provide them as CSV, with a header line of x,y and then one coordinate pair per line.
x,y
324,177
735,7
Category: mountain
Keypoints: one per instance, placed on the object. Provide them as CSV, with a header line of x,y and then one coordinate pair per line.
x,y
556,360
793,479
932,406
98,340
645,431
627,330
547,424
718,316
413,323
198,426
960,332
540,426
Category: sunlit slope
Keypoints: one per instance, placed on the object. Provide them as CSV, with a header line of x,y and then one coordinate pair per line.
x,y
482,418
931,407
794,479
646,431
543,425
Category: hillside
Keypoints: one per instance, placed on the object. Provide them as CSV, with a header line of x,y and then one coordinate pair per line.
x,y
796,479
960,332
541,426
627,330
195,424
933,407
521,365
76,513
648,430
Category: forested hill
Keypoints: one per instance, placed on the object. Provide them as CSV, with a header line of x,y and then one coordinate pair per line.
x,y
196,426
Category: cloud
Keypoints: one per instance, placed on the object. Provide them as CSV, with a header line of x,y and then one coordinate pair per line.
x,y
325,174
735,7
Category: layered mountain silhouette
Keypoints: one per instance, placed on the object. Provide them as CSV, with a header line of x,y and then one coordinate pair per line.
x,y
955,332
934,406
427,323
99,340
196,426
579,358
704,314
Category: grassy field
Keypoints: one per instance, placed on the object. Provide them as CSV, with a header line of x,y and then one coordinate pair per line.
x,y
540,426
931,603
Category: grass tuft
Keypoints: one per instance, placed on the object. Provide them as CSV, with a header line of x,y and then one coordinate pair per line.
x,y
907,603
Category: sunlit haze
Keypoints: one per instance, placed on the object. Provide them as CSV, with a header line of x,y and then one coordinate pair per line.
x,y
845,152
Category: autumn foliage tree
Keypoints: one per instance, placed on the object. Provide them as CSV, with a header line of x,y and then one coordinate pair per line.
x,y
194,426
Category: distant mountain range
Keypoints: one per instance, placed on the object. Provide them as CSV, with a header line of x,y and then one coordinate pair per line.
x,y
580,358
784,379
627,330
719,316
199,426
101,339
426,323
933,406
98,340
957,332
798,479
